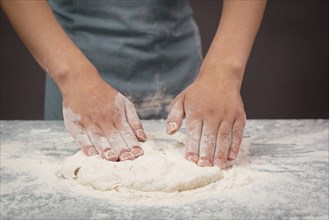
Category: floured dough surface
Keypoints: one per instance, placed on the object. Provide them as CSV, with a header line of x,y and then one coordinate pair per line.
x,y
161,168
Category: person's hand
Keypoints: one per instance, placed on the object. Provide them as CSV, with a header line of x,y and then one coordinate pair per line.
x,y
215,120
101,120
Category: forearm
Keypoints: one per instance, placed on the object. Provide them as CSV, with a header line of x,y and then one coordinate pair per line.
x,y
234,38
38,28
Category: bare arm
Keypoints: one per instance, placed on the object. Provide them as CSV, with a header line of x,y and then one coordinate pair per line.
x,y
212,104
97,116
235,36
55,52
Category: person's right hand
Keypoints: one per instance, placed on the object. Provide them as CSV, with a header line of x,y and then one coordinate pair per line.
x,y
101,120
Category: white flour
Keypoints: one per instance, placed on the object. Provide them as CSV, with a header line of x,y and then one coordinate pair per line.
x,y
281,172
49,171
169,187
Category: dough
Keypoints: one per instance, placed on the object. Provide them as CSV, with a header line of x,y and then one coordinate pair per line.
x,y
161,168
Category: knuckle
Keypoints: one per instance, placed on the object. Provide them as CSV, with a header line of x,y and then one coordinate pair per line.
x,y
237,133
108,132
81,138
86,119
224,135
119,116
191,145
209,140
127,133
130,105
114,135
95,131
233,150
112,115
224,141
193,136
243,119
211,112
194,115
206,114
220,156
192,140
241,114
72,126
136,124
173,118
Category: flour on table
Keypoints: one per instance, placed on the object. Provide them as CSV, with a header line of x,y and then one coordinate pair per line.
x,y
162,168
164,178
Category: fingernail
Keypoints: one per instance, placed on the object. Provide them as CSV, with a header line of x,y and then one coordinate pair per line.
x,y
137,152
92,151
141,134
232,155
171,127
219,164
126,156
194,158
110,155
204,163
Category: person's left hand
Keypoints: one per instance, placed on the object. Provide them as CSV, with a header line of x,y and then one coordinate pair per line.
x,y
215,119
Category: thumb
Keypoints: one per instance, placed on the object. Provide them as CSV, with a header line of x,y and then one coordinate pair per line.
x,y
175,117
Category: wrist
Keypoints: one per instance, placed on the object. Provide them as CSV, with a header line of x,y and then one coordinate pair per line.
x,y
67,76
228,72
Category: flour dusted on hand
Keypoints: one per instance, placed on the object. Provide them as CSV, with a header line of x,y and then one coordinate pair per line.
x,y
161,169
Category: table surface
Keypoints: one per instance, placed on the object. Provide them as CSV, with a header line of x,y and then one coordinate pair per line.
x,y
291,154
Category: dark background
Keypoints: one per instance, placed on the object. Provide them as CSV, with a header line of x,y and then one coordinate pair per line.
x,y
286,76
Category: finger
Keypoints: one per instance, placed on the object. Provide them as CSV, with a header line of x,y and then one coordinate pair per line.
x,y
82,139
193,135
223,144
134,121
76,130
116,142
101,144
237,135
207,143
175,117
129,137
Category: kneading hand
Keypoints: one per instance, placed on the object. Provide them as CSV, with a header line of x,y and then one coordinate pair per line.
x,y
103,121
215,120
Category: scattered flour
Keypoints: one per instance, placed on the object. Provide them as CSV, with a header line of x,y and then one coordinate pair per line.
x,y
173,188
281,175
162,176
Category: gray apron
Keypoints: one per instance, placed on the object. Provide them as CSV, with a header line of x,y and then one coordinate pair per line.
x,y
149,50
